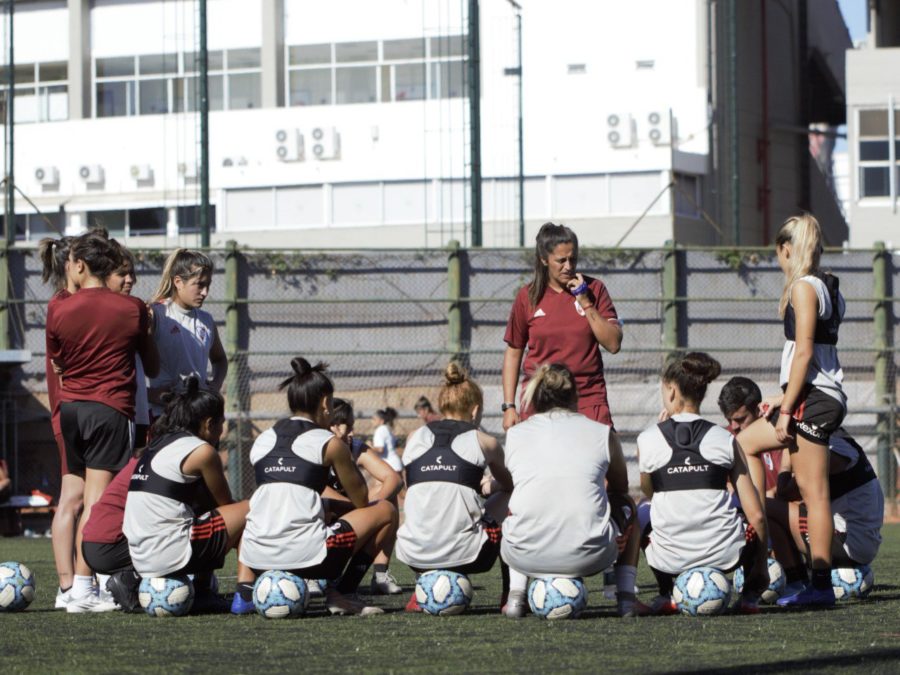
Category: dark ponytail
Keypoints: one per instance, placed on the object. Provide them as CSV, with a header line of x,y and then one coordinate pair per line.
x,y
388,415
692,372
548,238
54,255
307,386
187,408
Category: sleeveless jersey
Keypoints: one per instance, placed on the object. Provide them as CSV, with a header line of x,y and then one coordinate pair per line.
x,y
158,513
559,521
357,448
442,524
694,522
286,524
857,502
826,327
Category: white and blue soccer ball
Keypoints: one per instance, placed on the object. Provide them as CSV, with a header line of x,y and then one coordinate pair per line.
x,y
443,592
702,591
852,582
280,595
166,596
777,582
557,597
16,587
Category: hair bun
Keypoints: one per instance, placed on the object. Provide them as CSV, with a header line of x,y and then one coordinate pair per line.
x,y
455,373
701,365
300,366
191,385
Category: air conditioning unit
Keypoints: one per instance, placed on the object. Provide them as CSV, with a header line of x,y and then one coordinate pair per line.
x,y
142,173
326,143
46,175
290,146
620,130
661,128
91,173
188,171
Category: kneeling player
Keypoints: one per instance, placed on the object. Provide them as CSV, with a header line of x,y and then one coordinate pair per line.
x,y
447,524
685,465
165,535
286,528
857,507
570,513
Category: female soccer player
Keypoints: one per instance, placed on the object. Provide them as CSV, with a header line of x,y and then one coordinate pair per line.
x,y
383,440
185,334
389,485
92,339
813,403
570,513
286,527
560,317
686,462
857,507
447,524
180,468
54,255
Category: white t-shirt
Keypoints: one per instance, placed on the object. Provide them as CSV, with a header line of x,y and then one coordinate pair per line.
x,y
860,512
184,338
824,370
158,528
559,521
691,528
442,521
383,438
285,527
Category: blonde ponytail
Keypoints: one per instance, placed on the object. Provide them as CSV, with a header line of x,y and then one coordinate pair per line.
x,y
804,235
551,386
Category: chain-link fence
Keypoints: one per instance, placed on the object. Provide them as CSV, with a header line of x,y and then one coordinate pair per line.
x,y
388,321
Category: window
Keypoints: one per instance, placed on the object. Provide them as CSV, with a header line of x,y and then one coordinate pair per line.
x,y
35,226
406,69
874,153
189,219
155,84
42,92
687,195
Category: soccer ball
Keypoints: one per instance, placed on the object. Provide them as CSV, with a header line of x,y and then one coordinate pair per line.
x,y
166,596
443,592
702,591
279,595
852,582
557,597
16,587
777,582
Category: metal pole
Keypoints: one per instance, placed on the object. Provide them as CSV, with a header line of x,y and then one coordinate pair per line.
x,y
10,215
204,131
233,378
454,293
884,389
521,137
734,136
670,297
474,72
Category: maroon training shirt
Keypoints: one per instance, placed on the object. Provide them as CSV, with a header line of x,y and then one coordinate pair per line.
x,y
556,331
94,334
105,524
52,377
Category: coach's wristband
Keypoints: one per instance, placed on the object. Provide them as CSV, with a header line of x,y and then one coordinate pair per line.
x,y
580,289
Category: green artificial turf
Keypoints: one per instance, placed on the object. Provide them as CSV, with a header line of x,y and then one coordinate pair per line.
x,y
855,636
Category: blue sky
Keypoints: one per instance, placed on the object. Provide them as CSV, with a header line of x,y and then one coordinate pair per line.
x,y
854,12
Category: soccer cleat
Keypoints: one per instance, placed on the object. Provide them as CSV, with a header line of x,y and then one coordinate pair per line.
x,y
748,604
809,597
207,602
241,606
122,587
412,605
516,605
349,604
661,605
89,603
62,598
384,583
793,588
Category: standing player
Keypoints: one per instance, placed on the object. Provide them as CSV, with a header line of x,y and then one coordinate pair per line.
x,y
286,527
570,513
185,334
686,462
447,525
425,411
383,440
560,317
813,404
92,337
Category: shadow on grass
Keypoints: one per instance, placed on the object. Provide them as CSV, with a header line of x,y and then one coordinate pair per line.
x,y
806,664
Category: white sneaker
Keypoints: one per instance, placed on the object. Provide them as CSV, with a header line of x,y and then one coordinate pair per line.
x,y
62,598
316,588
384,584
89,603
349,604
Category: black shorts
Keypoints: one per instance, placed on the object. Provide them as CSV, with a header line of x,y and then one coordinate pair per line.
x,y
487,556
839,556
107,558
339,550
816,416
209,544
96,436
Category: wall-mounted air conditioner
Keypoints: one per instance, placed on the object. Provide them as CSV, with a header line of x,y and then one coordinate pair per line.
x,y
326,143
620,130
46,175
660,127
142,173
290,146
91,174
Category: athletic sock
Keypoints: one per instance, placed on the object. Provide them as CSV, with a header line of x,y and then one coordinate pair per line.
x,y
517,581
504,577
356,569
82,586
101,581
797,573
244,590
379,568
821,579
65,590
625,577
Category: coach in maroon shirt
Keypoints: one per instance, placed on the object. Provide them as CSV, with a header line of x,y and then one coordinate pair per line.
x,y
560,317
